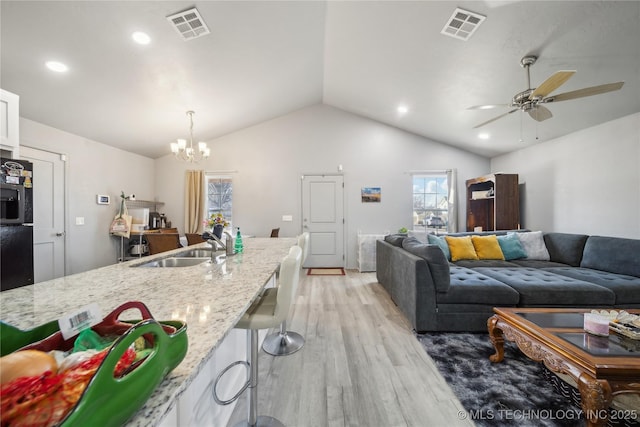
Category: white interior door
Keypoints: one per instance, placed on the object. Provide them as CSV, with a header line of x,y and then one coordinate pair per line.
x,y
323,218
48,213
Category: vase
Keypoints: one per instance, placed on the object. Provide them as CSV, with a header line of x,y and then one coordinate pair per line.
x,y
217,231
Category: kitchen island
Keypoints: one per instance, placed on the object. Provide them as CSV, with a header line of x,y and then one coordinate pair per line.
x,y
210,297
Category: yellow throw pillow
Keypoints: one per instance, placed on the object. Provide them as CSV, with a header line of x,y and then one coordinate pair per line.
x,y
461,248
487,247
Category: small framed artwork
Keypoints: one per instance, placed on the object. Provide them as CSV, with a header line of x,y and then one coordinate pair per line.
x,y
371,194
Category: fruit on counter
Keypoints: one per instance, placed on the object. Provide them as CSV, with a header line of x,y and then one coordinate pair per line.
x,y
26,363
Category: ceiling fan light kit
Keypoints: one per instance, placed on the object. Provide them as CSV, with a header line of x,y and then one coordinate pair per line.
x,y
530,100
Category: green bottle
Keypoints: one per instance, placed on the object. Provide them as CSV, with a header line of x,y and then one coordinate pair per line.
x,y
238,246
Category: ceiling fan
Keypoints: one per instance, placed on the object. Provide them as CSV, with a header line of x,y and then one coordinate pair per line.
x,y
531,100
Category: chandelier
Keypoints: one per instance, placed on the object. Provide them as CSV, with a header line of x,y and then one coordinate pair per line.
x,y
189,154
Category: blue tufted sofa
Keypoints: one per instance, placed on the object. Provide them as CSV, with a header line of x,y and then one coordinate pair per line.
x,y
439,295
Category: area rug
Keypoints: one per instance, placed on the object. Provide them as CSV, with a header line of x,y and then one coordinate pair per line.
x,y
325,272
514,392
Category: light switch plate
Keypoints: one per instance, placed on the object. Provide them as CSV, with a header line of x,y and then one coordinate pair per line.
x,y
79,220
287,218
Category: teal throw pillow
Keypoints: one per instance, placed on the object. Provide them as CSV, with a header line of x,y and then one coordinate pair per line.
x,y
511,247
441,242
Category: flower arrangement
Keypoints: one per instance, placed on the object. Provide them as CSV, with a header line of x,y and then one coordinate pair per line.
x,y
216,219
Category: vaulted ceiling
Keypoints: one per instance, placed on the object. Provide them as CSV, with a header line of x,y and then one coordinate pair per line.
x,y
264,59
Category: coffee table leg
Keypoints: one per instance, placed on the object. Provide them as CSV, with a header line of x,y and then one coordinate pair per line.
x,y
495,334
595,396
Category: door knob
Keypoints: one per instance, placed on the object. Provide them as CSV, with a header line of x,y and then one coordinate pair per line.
x,y
60,233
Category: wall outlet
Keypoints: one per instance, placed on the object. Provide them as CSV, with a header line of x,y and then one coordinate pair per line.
x,y
79,220
287,218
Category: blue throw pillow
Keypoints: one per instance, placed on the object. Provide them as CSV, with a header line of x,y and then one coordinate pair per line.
x,y
511,247
441,242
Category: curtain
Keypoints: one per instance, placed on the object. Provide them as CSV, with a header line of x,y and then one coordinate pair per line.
x,y
453,204
194,202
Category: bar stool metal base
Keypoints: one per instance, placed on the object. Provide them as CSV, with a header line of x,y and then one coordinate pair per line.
x,y
283,344
263,421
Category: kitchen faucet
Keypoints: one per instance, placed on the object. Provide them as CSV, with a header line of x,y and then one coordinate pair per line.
x,y
214,241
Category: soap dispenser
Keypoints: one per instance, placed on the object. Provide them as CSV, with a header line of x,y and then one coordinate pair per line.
x,y
239,247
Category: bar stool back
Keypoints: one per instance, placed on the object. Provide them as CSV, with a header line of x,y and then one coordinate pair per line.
x,y
267,312
283,342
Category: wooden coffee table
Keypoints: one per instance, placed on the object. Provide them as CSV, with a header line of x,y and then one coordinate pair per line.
x,y
603,367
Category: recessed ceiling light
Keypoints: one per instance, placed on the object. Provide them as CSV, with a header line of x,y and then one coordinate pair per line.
x,y
403,109
56,66
141,38
483,135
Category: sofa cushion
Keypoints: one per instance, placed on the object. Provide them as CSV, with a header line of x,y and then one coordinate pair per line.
x,y
542,288
461,248
626,288
420,235
534,263
395,239
487,247
533,244
565,248
442,244
613,254
470,287
438,264
511,247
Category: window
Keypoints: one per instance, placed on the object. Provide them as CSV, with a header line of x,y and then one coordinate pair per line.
x,y
220,197
431,205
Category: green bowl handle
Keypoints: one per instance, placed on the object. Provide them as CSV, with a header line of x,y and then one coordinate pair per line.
x,y
153,361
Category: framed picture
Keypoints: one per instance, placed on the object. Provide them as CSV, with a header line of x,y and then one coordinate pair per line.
x,y
371,194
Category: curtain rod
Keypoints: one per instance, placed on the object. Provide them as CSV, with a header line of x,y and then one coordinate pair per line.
x,y
426,171
221,172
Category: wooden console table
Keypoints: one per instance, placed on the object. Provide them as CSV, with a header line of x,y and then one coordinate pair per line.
x,y
603,367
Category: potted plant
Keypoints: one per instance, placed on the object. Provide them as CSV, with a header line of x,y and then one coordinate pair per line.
x,y
217,223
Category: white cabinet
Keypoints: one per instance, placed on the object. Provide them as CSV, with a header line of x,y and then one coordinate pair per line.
x,y
10,123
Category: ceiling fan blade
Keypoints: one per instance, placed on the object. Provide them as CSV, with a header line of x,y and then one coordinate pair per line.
x,y
496,118
552,83
540,113
488,106
587,91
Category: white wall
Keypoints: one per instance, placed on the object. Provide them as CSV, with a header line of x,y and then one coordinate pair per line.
x,y
587,182
92,168
271,157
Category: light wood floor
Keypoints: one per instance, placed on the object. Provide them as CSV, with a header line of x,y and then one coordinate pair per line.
x,y
360,366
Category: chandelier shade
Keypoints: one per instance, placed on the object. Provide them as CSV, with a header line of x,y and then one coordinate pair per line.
x,y
185,152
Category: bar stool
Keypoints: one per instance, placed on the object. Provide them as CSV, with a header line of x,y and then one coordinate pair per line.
x,y
263,315
283,342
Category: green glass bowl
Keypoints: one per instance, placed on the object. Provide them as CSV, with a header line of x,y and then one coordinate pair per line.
x,y
110,401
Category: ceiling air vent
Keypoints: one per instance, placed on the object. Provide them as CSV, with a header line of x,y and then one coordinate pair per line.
x,y
189,24
462,24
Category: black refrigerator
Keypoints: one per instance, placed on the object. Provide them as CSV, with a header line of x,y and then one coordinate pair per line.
x,y
16,223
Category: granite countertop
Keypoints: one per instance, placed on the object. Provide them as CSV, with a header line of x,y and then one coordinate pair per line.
x,y
211,298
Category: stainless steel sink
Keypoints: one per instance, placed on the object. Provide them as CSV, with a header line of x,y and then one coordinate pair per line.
x,y
175,262
195,253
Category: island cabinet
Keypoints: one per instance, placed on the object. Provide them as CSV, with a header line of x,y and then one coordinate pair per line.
x,y
493,202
